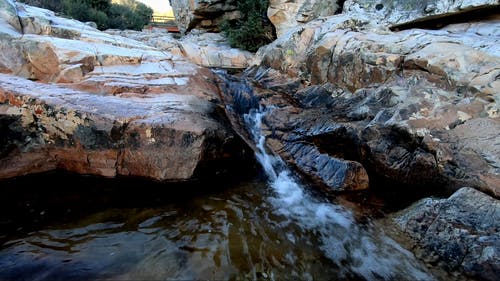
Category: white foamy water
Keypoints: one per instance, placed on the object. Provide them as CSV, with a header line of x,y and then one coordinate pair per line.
x,y
359,250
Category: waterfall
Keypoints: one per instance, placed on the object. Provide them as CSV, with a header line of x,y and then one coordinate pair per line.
x,y
358,250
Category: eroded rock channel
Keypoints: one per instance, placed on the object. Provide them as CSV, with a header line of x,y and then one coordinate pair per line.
x,y
346,149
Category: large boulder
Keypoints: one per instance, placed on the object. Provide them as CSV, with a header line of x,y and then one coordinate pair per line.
x,y
461,233
416,99
285,14
203,14
114,106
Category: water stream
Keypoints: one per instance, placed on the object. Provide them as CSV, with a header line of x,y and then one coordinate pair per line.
x,y
265,228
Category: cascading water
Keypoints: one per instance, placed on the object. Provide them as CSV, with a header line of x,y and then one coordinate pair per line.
x,y
257,229
358,250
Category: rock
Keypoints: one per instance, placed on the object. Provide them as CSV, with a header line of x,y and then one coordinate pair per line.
x,y
460,233
9,17
213,50
121,107
394,13
156,38
162,136
285,14
202,48
52,48
408,95
294,132
203,14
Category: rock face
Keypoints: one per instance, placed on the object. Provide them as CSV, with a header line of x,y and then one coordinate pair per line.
x,y
285,14
415,100
206,49
394,13
294,130
203,14
462,232
350,101
114,106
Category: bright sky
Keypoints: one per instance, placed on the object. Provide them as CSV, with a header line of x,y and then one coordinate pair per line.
x,y
159,6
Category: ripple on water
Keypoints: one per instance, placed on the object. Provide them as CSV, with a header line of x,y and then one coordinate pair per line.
x,y
244,232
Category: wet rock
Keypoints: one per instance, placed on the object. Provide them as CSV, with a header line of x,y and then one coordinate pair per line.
x,y
460,233
301,135
203,14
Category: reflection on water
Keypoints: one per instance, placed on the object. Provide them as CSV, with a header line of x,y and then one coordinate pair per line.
x,y
269,229
243,232
229,234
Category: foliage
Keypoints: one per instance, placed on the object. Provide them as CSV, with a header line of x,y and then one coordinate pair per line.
x,y
53,5
253,29
125,14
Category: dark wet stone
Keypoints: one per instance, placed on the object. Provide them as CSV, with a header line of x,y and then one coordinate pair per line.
x,y
461,232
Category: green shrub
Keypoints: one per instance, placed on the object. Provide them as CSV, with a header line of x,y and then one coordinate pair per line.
x,y
253,29
126,14
129,15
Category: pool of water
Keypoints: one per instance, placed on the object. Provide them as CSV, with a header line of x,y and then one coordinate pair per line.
x,y
62,227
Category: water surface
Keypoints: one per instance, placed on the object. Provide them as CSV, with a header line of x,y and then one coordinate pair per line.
x,y
63,227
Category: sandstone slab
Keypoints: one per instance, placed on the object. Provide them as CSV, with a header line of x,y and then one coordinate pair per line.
x,y
77,99
394,13
286,14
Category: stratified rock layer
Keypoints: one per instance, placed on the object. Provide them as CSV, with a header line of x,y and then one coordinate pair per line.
x,y
395,13
462,232
416,99
121,107
202,48
286,14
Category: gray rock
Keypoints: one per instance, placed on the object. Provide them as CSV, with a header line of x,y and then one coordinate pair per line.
x,y
461,232
393,13
285,14
109,105
417,98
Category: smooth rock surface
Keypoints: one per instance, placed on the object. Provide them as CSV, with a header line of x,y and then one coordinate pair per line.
x,y
393,13
461,232
203,48
121,107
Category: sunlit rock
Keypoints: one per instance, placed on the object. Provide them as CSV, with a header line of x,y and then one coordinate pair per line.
x,y
206,49
122,107
203,14
394,13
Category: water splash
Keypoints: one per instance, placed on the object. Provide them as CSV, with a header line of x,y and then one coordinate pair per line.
x,y
358,250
